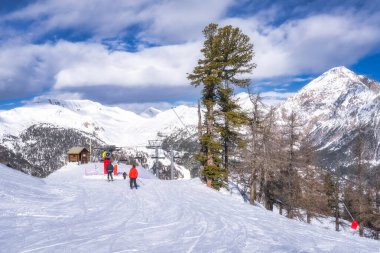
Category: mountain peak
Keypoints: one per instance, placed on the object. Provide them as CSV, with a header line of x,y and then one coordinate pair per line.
x,y
150,112
335,79
334,90
339,70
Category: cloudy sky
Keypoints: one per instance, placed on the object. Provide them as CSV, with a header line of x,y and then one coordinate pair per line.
x,y
136,53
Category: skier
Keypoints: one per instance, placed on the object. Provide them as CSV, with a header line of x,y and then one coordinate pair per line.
x,y
133,173
109,171
124,175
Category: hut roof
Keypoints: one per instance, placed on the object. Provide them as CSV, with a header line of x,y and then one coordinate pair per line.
x,y
75,150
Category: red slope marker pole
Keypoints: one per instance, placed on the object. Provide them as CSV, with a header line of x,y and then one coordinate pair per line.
x,y
354,224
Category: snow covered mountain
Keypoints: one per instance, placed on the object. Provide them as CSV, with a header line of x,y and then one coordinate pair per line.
x,y
338,107
111,124
44,130
68,212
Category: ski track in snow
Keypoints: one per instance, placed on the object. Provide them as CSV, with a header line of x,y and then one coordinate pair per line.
x,y
67,213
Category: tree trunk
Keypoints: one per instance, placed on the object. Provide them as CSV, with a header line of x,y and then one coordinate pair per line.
x,y
209,182
280,209
289,213
252,193
210,131
361,229
269,205
199,121
336,221
226,160
308,217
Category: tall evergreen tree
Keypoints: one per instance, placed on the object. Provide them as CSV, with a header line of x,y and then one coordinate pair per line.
x,y
227,54
207,73
235,56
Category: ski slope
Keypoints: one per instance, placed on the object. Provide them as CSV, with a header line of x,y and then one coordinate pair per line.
x,y
69,212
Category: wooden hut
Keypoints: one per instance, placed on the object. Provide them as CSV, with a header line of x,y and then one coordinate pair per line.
x,y
78,154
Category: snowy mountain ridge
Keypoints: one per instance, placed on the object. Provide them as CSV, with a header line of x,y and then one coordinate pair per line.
x,y
42,132
112,124
337,106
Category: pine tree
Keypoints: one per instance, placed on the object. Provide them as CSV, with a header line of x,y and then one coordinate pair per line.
x,y
235,56
207,72
229,120
226,56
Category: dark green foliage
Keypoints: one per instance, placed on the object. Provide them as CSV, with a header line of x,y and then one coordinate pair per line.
x,y
215,174
227,54
231,118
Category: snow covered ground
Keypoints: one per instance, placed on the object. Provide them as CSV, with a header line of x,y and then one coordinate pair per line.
x,y
70,212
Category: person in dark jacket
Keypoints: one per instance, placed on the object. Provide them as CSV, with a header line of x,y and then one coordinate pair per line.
x,y
133,173
124,175
109,171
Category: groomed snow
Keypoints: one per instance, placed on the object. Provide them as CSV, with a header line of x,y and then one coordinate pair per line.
x,y
68,212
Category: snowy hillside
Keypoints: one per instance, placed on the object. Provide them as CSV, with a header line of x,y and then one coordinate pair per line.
x,y
69,213
337,106
112,124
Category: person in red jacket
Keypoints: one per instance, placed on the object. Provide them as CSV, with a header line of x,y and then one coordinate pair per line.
x,y
133,173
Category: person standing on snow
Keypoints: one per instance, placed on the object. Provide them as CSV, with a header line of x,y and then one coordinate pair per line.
x,y
133,173
109,171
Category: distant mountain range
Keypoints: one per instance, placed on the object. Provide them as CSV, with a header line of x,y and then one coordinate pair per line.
x,y
336,107
39,134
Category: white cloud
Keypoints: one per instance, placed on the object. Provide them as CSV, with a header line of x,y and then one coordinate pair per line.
x,y
165,65
54,95
173,21
68,65
301,46
141,107
162,20
310,45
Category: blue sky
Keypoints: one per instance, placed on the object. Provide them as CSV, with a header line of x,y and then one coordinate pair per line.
x,y
136,54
